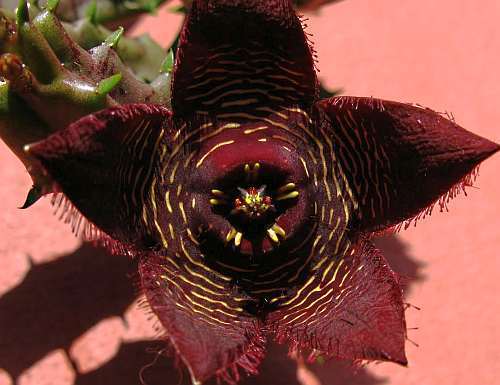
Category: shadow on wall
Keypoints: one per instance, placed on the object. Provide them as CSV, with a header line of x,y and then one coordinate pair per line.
x,y
397,254
277,369
60,300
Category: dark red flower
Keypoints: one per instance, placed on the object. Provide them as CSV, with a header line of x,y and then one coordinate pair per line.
x,y
251,203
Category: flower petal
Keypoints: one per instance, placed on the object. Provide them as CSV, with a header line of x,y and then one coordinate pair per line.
x,y
241,55
202,316
398,158
103,163
352,309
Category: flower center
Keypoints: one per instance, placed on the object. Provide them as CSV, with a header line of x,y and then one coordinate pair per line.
x,y
252,208
252,202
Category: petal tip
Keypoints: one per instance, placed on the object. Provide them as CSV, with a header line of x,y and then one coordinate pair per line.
x,y
474,150
486,149
400,360
32,197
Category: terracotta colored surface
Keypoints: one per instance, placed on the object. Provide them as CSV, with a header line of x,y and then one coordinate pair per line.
x,y
67,312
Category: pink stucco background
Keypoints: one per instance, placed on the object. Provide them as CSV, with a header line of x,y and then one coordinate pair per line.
x,y
67,312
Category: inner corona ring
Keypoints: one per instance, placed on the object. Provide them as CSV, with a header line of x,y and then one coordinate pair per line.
x,y
253,208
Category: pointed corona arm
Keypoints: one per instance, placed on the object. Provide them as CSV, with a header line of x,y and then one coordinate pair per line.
x,y
399,159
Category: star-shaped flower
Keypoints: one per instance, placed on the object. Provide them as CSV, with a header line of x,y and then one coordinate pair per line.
x,y
250,205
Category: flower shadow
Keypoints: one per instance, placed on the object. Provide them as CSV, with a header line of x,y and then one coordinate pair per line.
x,y
397,254
58,301
277,369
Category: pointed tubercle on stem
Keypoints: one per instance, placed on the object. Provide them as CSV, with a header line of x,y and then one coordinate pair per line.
x,y
107,85
113,39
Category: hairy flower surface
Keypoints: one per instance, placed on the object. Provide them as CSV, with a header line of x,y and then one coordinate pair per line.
x,y
250,203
